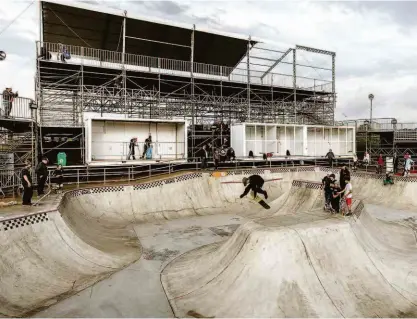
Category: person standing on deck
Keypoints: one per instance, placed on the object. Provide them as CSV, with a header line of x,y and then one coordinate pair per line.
x,y
330,157
27,185
380,164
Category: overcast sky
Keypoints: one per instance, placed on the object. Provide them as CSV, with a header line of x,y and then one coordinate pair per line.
x,y
375,42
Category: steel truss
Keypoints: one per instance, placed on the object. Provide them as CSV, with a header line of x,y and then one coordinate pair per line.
x,y
68,102
63,96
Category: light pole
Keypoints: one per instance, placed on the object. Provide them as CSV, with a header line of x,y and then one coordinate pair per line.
x,y
370,97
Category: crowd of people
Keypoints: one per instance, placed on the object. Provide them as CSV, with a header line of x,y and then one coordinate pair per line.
x,y
338,196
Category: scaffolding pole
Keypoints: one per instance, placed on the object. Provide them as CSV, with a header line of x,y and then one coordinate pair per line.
x,y
248,76
192,93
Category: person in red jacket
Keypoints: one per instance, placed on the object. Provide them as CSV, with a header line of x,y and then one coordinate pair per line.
x,y
380,164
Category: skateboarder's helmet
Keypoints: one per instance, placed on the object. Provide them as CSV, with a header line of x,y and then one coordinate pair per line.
x,y
244,180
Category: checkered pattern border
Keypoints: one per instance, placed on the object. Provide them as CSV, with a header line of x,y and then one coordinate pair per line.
x,y
261,171
23,221
306,184
271,170
107,189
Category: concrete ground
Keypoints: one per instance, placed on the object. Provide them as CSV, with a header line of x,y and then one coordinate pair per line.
x,y
189,247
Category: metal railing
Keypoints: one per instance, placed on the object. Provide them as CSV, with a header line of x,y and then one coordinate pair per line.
x,y
134,62
15,108
10,180
103,150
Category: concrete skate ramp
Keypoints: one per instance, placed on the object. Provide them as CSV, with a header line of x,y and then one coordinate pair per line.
x,y
51,255
315,269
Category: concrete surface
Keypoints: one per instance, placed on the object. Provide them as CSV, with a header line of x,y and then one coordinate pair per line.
x,y
104,252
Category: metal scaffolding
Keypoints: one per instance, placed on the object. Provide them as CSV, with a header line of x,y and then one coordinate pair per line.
x,y
153,87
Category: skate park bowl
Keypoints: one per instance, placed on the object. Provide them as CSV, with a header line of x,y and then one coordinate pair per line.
x,y
96,252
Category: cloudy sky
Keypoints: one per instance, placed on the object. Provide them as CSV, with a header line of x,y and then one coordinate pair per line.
x,y
375,42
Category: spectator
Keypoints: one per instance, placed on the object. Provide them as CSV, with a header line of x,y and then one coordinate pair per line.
x,y
407,166
8,98
380,164
65,55
330,156
59,176
42,174
216,157
204,157
328,183
366,158
355,161
27,185
388,179
335,201
147,145
396,162
347,191
133,142
344,174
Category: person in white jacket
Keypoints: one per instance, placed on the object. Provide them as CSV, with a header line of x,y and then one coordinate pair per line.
x,y
407,166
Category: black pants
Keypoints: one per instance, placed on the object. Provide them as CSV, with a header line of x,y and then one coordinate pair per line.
x,y
7,108
131,153
331,162
328,196
204,162
41,185
145,148
27,195
259,190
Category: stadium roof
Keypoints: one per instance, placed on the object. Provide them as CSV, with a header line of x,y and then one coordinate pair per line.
x,y
82,25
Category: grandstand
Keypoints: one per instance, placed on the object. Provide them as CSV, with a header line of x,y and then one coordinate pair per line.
x,y
126,67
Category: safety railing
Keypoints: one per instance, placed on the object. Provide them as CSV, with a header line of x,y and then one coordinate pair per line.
x,y
104,150
15,107
111,59
77,176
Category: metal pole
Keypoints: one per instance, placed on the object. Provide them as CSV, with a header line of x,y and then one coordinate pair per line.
x,y
248,77
192,94
40,24
294,82
370,97
333,83
123,62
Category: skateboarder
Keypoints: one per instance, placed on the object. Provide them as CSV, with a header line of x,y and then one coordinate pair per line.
x,y
254,183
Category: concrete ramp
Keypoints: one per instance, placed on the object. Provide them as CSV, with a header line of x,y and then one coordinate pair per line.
x,y
317,269
293,260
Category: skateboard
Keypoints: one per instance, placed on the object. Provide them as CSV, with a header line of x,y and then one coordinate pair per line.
x,y
42,198
260,201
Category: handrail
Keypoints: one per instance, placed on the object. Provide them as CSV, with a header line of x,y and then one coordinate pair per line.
x,y
135,62
129,173
15,108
